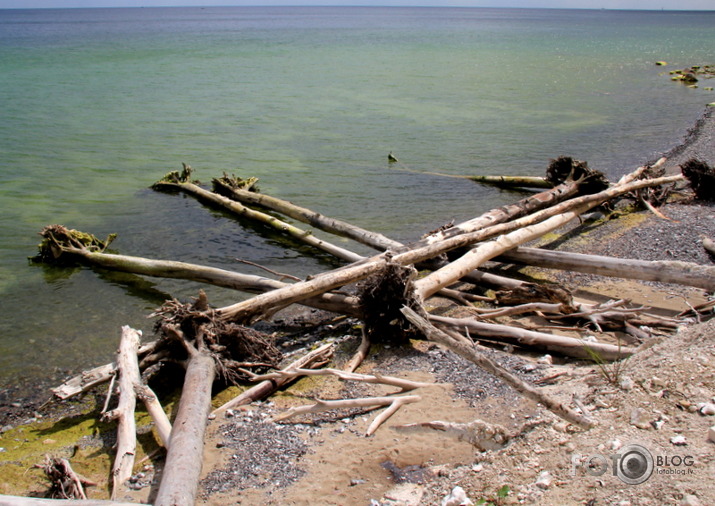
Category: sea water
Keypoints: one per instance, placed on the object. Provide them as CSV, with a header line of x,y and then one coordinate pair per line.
x,y
97,104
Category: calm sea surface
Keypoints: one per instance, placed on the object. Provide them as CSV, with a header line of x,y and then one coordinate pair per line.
x,y
96,105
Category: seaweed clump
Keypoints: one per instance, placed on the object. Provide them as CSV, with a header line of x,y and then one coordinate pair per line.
x,y
226,183
701,178
565,168
58,239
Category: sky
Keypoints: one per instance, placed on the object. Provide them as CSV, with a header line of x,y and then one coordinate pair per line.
x,y
579,4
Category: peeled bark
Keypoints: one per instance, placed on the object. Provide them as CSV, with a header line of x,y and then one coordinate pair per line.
x,y
683,273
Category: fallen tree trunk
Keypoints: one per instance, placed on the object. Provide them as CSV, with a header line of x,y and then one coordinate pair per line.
x,y
513,181
129,376
13,500
682,273
526,229
203,274
266,219
471,354
564,345
246,310
180,480
224,187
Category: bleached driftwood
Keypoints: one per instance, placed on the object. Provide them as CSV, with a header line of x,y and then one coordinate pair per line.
x,y
13,500
683,273
313,218
180,480
240,210
315,358
470,353
393,403
129,375
564,345
403,384
157,413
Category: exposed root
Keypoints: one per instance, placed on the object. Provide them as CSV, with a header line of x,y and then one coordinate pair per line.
x,y
57,239
701,178
381,298
229,343
66,484
565,168
235,183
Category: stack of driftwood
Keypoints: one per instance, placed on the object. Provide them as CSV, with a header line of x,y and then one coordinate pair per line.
x,y
387,292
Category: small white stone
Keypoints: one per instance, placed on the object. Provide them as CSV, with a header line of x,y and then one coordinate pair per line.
x,y
615,444
711,434
546,359
690,500
476,468
678,440
627,383
706,408
544,480
458,497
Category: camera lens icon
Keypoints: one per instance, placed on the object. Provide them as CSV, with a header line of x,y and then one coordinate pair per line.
x,y
635,465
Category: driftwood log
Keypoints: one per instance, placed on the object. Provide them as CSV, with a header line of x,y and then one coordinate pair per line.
x,y
470,353
683,273
129,376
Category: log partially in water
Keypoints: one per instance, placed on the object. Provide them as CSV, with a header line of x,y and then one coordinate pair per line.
x,y
513,181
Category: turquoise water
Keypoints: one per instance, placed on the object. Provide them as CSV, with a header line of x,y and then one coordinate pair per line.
x,y
96,105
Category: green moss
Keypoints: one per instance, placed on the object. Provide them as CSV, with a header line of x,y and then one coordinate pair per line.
x,y
78,438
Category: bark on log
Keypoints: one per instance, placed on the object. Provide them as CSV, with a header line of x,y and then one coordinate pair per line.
x,y
564,345
129,375
182,470
266,219
683,273
305,215
471,354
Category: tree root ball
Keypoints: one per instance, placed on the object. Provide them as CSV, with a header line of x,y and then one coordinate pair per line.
x,y
382,296
701,178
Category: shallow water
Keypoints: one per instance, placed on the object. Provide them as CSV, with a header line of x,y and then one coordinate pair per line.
x,y
98,104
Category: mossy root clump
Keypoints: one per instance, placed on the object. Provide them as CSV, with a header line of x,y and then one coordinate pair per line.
x,y
57,239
